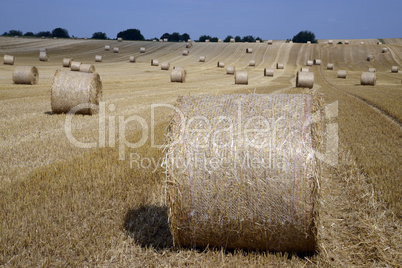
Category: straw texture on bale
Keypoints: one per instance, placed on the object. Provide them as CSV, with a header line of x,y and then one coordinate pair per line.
x,y
178,75
317,62
372,70
280,66
394,69
202,59
43,50
251,63
119,39
67,62
309,63
142,50
132,59
229,202
43,56
165,66
8,60
370,57
98,58
26,75
305,79
342,74
230,70
185,52
268,72
116,50
368,78
87,68
154,62
384,50
249,50
107,48
70,89
304,69
330,66
220,64
241,78
75,66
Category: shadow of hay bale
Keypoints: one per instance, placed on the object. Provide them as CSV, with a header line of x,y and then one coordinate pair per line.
x,y
149,226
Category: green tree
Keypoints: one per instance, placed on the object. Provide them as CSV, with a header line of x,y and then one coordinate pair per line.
x,y
131,34
175,37
13,33
99,35
227,39
60,33
304,36
44,33
248,38
238,38
214,39
165,36
29,34
204,37
184,37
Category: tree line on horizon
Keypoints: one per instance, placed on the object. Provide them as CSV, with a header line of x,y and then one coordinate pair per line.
x,y
135,34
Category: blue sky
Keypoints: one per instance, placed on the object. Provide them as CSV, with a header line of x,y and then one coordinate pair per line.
x,y
269,19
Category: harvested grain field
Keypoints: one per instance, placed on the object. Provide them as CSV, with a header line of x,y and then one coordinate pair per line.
x,y
90,190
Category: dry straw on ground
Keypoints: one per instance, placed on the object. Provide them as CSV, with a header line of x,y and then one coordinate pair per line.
x,y
75,66
178,75
230,70
309,63
70,89
116,50
87,68
220,64
342,74
394,69
241,78
268,72
202,59
142,50
368,78
330,66
317,62
154,62
257,189
8,60
251,63
280,66
107,48
98,58
132,59
165,66
43,56
26,75
67,62
305,79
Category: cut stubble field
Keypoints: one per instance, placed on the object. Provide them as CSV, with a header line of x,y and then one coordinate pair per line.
x,y
67,206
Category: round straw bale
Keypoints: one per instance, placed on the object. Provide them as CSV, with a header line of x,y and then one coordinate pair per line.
x,y
221,64
43,37
154,62
26,75
305,79
43,49
241,78
258,188
207,40
362,43
154,40
67,62
75,66
43,56
165,66
98,58
257,41
87,68
280,66
268,72
189,40
220,40
178,75
384,50
232,40
202,59
270,42
116,50
290,42
330,42
309,63
368,78
107,48
330,66
70,89
347,42
132,58
185,52
308,42
230,70
304,69
372,70
394,69
142,50
8,59
252,63
370,57
119,39
249,50
317,62
379,43
342,74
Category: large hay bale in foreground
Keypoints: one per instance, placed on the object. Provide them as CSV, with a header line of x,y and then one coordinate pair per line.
x,y
230,70
70,89
256,188
75,66
43,56
67,62
268,72
241,78
368,78
394,69
8,60
26,75
305,79
342,74
178,75
87,68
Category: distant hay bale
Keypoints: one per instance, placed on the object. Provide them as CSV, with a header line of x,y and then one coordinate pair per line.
x,y
165,66
304,69
165,39
362,43
258,190
270,42
232,40
330,66
119,39
309,63
230,70
280,66
154,40
268,72
372,70
252,63
207,40
98,58
384,50
107,48
370,57
26,75
67,62
154,62
330,42
394,69
132,59
43,49
346,42
142,50
220,64
257,41
342,74
379,43
305,79
8,60
43,37
178,75
189,40
75,66
368,78
87,68
70,89
317,62
116,50
185,52
202,59
308,42
249,50
290,42
220,40
189,45
241,78
43,56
